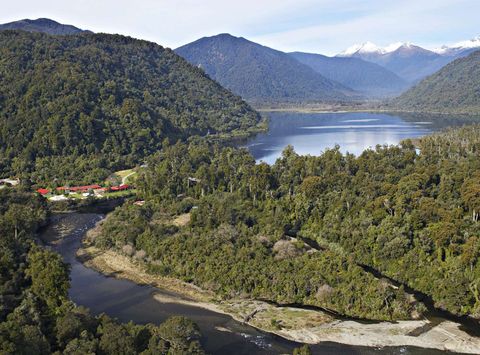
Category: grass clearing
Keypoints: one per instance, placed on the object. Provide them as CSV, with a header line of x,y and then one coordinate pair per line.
x,y
182,220
122,177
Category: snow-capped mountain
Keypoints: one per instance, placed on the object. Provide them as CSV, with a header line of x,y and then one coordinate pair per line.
x,y
405,59
368,48
371,48
411,62
459,47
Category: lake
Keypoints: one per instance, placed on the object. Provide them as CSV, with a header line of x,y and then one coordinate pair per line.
x,y
312,133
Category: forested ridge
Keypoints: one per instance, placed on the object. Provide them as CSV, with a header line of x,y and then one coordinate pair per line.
x,y
453,89
36,316
413,217
260,74
76,107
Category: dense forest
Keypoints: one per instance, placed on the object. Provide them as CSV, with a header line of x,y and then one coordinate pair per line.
x,y
453,89
36,316
302,231
75,107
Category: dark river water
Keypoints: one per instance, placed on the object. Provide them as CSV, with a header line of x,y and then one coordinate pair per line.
x,y
312,133
127,301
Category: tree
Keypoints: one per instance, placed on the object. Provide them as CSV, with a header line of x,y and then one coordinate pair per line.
x,y
443,234
180,332
115,339
471,252
49,276
85,344
72,324
470,193
303,350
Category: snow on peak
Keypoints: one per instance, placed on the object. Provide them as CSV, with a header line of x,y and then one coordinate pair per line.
x,y
394,46
366,47
369,47
472,43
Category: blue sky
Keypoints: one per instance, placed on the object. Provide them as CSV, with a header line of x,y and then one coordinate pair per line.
x,y
321,26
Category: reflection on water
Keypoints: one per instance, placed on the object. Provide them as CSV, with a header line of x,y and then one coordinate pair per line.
x,y
354,132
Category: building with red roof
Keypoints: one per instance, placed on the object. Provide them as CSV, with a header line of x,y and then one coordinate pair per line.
x,y
43,191
120,188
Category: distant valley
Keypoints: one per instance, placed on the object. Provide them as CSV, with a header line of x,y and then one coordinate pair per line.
x,y
371,79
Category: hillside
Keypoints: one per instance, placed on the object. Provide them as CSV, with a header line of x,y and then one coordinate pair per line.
x,y
368,78
455,88
258,73
74,107
44,25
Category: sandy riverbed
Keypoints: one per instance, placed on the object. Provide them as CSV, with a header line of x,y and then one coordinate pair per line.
x,y
306,326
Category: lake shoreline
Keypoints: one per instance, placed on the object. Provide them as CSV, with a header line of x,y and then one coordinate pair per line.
x,y
295,324
363,110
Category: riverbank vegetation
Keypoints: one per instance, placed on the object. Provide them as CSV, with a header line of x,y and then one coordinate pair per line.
x,y
299,231
36,316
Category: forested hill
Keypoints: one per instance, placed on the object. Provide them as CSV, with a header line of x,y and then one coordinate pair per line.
x,y
258,73
42,25
72,106
455,88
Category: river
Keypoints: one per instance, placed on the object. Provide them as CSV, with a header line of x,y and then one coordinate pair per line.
x,y
312,133
128,301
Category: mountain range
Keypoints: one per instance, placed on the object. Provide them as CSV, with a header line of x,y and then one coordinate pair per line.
x,y
260,74
410,62
264,75
44,25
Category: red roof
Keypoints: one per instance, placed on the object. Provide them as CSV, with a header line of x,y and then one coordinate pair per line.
x,y
43,191
120,188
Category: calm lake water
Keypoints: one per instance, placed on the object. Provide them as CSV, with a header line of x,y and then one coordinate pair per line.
x,y
128,301
312,133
